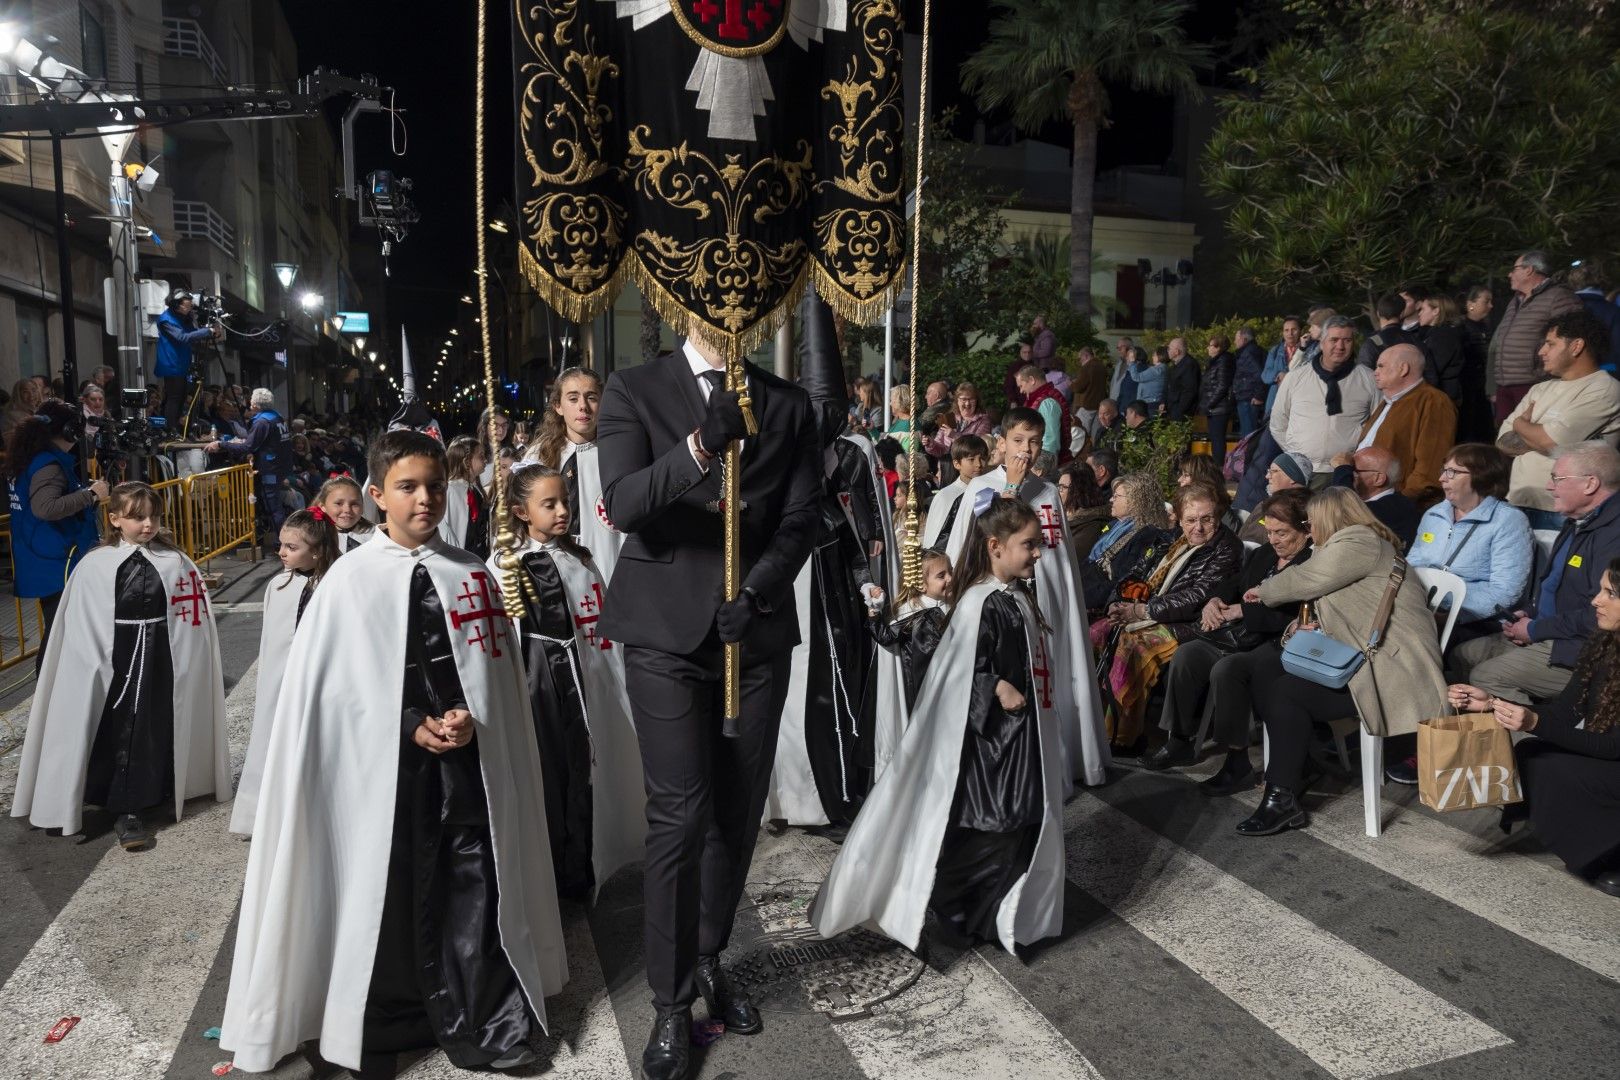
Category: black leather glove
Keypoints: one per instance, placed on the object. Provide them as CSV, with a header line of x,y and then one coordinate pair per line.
x,y
722,423
737,617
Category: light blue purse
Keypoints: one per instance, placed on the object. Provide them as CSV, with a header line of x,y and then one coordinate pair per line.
x,y
1327,661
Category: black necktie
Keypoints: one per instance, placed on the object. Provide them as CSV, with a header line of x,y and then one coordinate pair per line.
x,y
715,379
571,482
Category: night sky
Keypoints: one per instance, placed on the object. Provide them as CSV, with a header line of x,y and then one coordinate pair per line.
x,y
427,53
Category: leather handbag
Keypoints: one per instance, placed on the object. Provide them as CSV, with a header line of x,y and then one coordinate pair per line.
x,y
1323,659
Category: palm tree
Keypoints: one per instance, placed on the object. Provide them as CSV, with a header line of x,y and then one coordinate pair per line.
x,y
1048,59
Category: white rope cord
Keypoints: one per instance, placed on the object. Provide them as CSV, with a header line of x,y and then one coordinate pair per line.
x,y
139,662
838,686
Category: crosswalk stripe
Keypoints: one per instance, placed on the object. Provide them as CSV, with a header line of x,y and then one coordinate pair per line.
x,y
1353,1016
134,976
1525,896
962,1022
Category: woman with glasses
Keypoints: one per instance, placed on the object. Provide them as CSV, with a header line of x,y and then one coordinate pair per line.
x,y
1160,604
1474,534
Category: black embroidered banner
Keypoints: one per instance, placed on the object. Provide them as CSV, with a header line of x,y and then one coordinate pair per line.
x,y
720,152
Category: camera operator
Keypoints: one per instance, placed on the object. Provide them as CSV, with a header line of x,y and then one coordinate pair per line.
x,y
53,515
177,333
267,443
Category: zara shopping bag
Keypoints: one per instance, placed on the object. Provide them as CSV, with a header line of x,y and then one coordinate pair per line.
x,y
1466,762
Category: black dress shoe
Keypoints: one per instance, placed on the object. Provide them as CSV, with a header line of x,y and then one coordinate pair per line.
x,y
1173,752
132,835
1278,812
669,1049
738,1013
1609,882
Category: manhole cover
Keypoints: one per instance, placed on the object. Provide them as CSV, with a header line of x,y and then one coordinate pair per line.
x,y
784,966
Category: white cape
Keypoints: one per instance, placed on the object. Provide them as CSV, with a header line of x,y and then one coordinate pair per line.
x,y
940,509
317,871
618,790
457,515
596,533
77,672
360,534
275,642
1057,589
883,876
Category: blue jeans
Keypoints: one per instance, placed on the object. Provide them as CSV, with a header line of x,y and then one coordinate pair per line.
x,y
1248,417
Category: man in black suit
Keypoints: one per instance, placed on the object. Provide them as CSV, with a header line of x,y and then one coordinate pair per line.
x,y
1375,474
660,437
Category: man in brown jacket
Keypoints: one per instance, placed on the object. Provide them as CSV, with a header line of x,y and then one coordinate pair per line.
x,y
1537,300
1415,422
1087,389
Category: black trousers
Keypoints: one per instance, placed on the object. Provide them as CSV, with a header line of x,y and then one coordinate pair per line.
x,y
1218,423
1288,705
705,796
1202,676
47,617
176,392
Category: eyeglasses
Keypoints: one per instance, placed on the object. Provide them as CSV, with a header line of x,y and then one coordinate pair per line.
x,y
1451,474
1572,476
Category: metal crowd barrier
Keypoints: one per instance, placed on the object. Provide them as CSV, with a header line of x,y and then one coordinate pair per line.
x,y
209,513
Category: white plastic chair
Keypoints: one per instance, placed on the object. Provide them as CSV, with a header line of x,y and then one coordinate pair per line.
x,y
1243,516
1440,585
1544,540
1250,545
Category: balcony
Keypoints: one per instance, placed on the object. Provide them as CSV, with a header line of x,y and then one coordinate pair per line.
x,y
196,220
185,39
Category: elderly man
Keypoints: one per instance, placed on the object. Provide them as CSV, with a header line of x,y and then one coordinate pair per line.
x,y
1321,409
1580,401
1087,390
266,443
1415,422
1515,347
1533,656
1104,468
1181,382
1043,349
1374,472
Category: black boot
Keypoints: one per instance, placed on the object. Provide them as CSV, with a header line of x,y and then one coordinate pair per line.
x,y
1174,752
1278,812
669,1048
1235,775
739,1014
132,835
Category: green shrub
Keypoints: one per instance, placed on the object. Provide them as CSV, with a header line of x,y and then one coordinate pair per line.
x,y
1154,448
1267,332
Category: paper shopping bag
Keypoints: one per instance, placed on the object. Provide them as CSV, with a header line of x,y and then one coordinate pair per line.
x,y
1466,762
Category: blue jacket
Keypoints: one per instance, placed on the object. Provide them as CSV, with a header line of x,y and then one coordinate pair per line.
x,y
1248,383
1490,548
175,340
1561,602
1276,366
45,552
267,442
1149,384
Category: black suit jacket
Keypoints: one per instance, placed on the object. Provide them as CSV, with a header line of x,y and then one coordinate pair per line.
x,y
667,583
1181,385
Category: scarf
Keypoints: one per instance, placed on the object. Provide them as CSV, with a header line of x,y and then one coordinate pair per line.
x,y
1334,400
1156,580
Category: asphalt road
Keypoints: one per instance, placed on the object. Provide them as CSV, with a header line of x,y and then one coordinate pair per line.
x,y
1439,950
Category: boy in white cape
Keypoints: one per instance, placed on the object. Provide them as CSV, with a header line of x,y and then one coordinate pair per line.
x,y
399,889
1074,697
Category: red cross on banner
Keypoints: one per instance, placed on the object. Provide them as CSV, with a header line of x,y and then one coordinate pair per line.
x,y
481,608
196,600
748,26
1051,525
591,610
1042,670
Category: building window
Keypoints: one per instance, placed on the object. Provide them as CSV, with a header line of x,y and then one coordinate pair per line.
x,y
92,44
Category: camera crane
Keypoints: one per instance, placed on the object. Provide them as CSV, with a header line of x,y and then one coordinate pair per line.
x,y
71,105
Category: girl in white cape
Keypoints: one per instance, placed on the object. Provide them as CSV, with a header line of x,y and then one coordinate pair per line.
x,y
342,501
309,547
466,523
595,796
567,443
967,819
129,709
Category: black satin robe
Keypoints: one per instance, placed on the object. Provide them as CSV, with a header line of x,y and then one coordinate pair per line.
x,y
560,725
132,759
440,976
1000,797
913,639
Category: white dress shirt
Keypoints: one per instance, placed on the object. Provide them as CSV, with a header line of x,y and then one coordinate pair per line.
x,y
1384,411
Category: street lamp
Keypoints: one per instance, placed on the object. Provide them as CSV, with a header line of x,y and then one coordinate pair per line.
x,y
286,273
310,301
360,343
337,322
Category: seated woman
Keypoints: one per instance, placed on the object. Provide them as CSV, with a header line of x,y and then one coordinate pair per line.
x,y
1235,642
1345,581
1202,469
1475,535
1141,634
1140,522
1085,505
1570,771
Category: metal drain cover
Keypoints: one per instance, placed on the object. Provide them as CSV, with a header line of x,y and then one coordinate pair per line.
x,y
785,967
